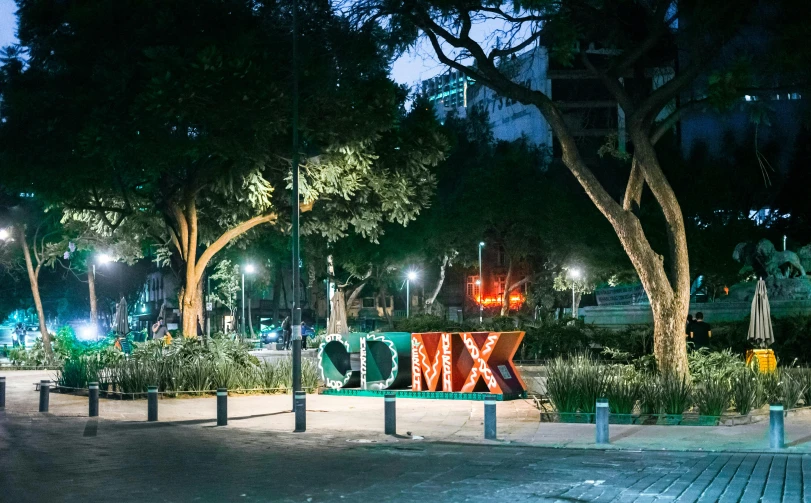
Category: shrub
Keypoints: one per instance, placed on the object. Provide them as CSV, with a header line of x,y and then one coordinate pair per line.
x,y
712,397
706,365
591,379
791,389
622,391
676,393
803,375
650,400
561,385
746,390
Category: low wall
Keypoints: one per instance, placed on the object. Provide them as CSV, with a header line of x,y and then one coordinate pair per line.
x,y
622,316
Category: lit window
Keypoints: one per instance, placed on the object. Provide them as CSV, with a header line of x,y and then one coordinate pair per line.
x,y
473,287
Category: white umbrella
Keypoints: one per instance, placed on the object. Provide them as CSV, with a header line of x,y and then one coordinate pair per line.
x,y
760,323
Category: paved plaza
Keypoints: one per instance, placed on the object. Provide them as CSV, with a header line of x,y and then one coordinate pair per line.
x,y
65,456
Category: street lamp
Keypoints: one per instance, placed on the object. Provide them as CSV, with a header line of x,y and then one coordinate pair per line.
x,y
574,274
411,276
481,284
5,235
249,268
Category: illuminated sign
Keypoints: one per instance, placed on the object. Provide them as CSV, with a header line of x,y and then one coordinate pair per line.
x,y
468,362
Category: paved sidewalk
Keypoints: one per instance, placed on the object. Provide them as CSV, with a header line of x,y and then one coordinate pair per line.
x,y
361,419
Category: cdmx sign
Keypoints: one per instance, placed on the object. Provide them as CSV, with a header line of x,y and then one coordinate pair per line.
x,y
434,362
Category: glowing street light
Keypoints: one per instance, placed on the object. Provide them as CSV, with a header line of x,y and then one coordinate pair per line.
x,y
250,269
410,276
5,235
104,258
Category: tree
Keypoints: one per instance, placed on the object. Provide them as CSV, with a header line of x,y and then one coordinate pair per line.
x,y
226,292
174,119
642,36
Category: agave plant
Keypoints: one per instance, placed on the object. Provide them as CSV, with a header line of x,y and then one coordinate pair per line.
x,y
746,390
591,378
561,386
676,393
713,397
622,392
791,390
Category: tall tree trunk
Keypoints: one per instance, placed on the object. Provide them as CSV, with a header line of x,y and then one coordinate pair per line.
x,y
505,297
91,286
668,290
338,320
429,302
33,278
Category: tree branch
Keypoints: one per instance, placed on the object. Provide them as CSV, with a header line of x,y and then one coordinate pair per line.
x,y
226,238
611,83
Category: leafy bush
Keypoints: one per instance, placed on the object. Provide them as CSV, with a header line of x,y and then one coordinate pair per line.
x,y
650,400
676,393
591,379
712,397
561,385
746,390
803,375
791,389
706,365
622,391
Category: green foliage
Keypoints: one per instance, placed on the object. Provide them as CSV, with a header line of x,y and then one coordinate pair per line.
x,y
184,365
713,366
713,397
623,390
650,399
561,385
791,389
747,390
591,378
676,393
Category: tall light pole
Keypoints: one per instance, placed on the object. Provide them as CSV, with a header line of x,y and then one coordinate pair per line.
x,y
411,276
481,284
294,220
574,274
249,268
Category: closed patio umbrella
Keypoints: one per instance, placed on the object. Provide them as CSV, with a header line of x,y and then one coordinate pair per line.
x,y
760,323
122,326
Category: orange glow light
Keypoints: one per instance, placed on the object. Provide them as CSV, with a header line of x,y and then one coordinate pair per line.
x,y
515,301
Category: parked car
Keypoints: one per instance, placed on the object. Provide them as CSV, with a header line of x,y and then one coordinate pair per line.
x,y
274,334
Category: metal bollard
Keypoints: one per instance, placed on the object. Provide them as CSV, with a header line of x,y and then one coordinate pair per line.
x,y
93,394
490,417
222,406
390,411
44,395
776,429
152,403
601,420
301,412
2,392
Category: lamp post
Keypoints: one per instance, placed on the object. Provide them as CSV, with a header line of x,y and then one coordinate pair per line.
x,y
481,285
249,268
411,276
574,274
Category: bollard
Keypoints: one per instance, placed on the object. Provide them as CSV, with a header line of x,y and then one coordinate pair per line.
x,y
93,394
390,411
601,420
301,412
776,430
2,392
490,417
222,406
44,395
152,403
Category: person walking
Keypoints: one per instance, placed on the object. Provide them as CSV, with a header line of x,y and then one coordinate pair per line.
x,y
700,332
287,332
18,336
